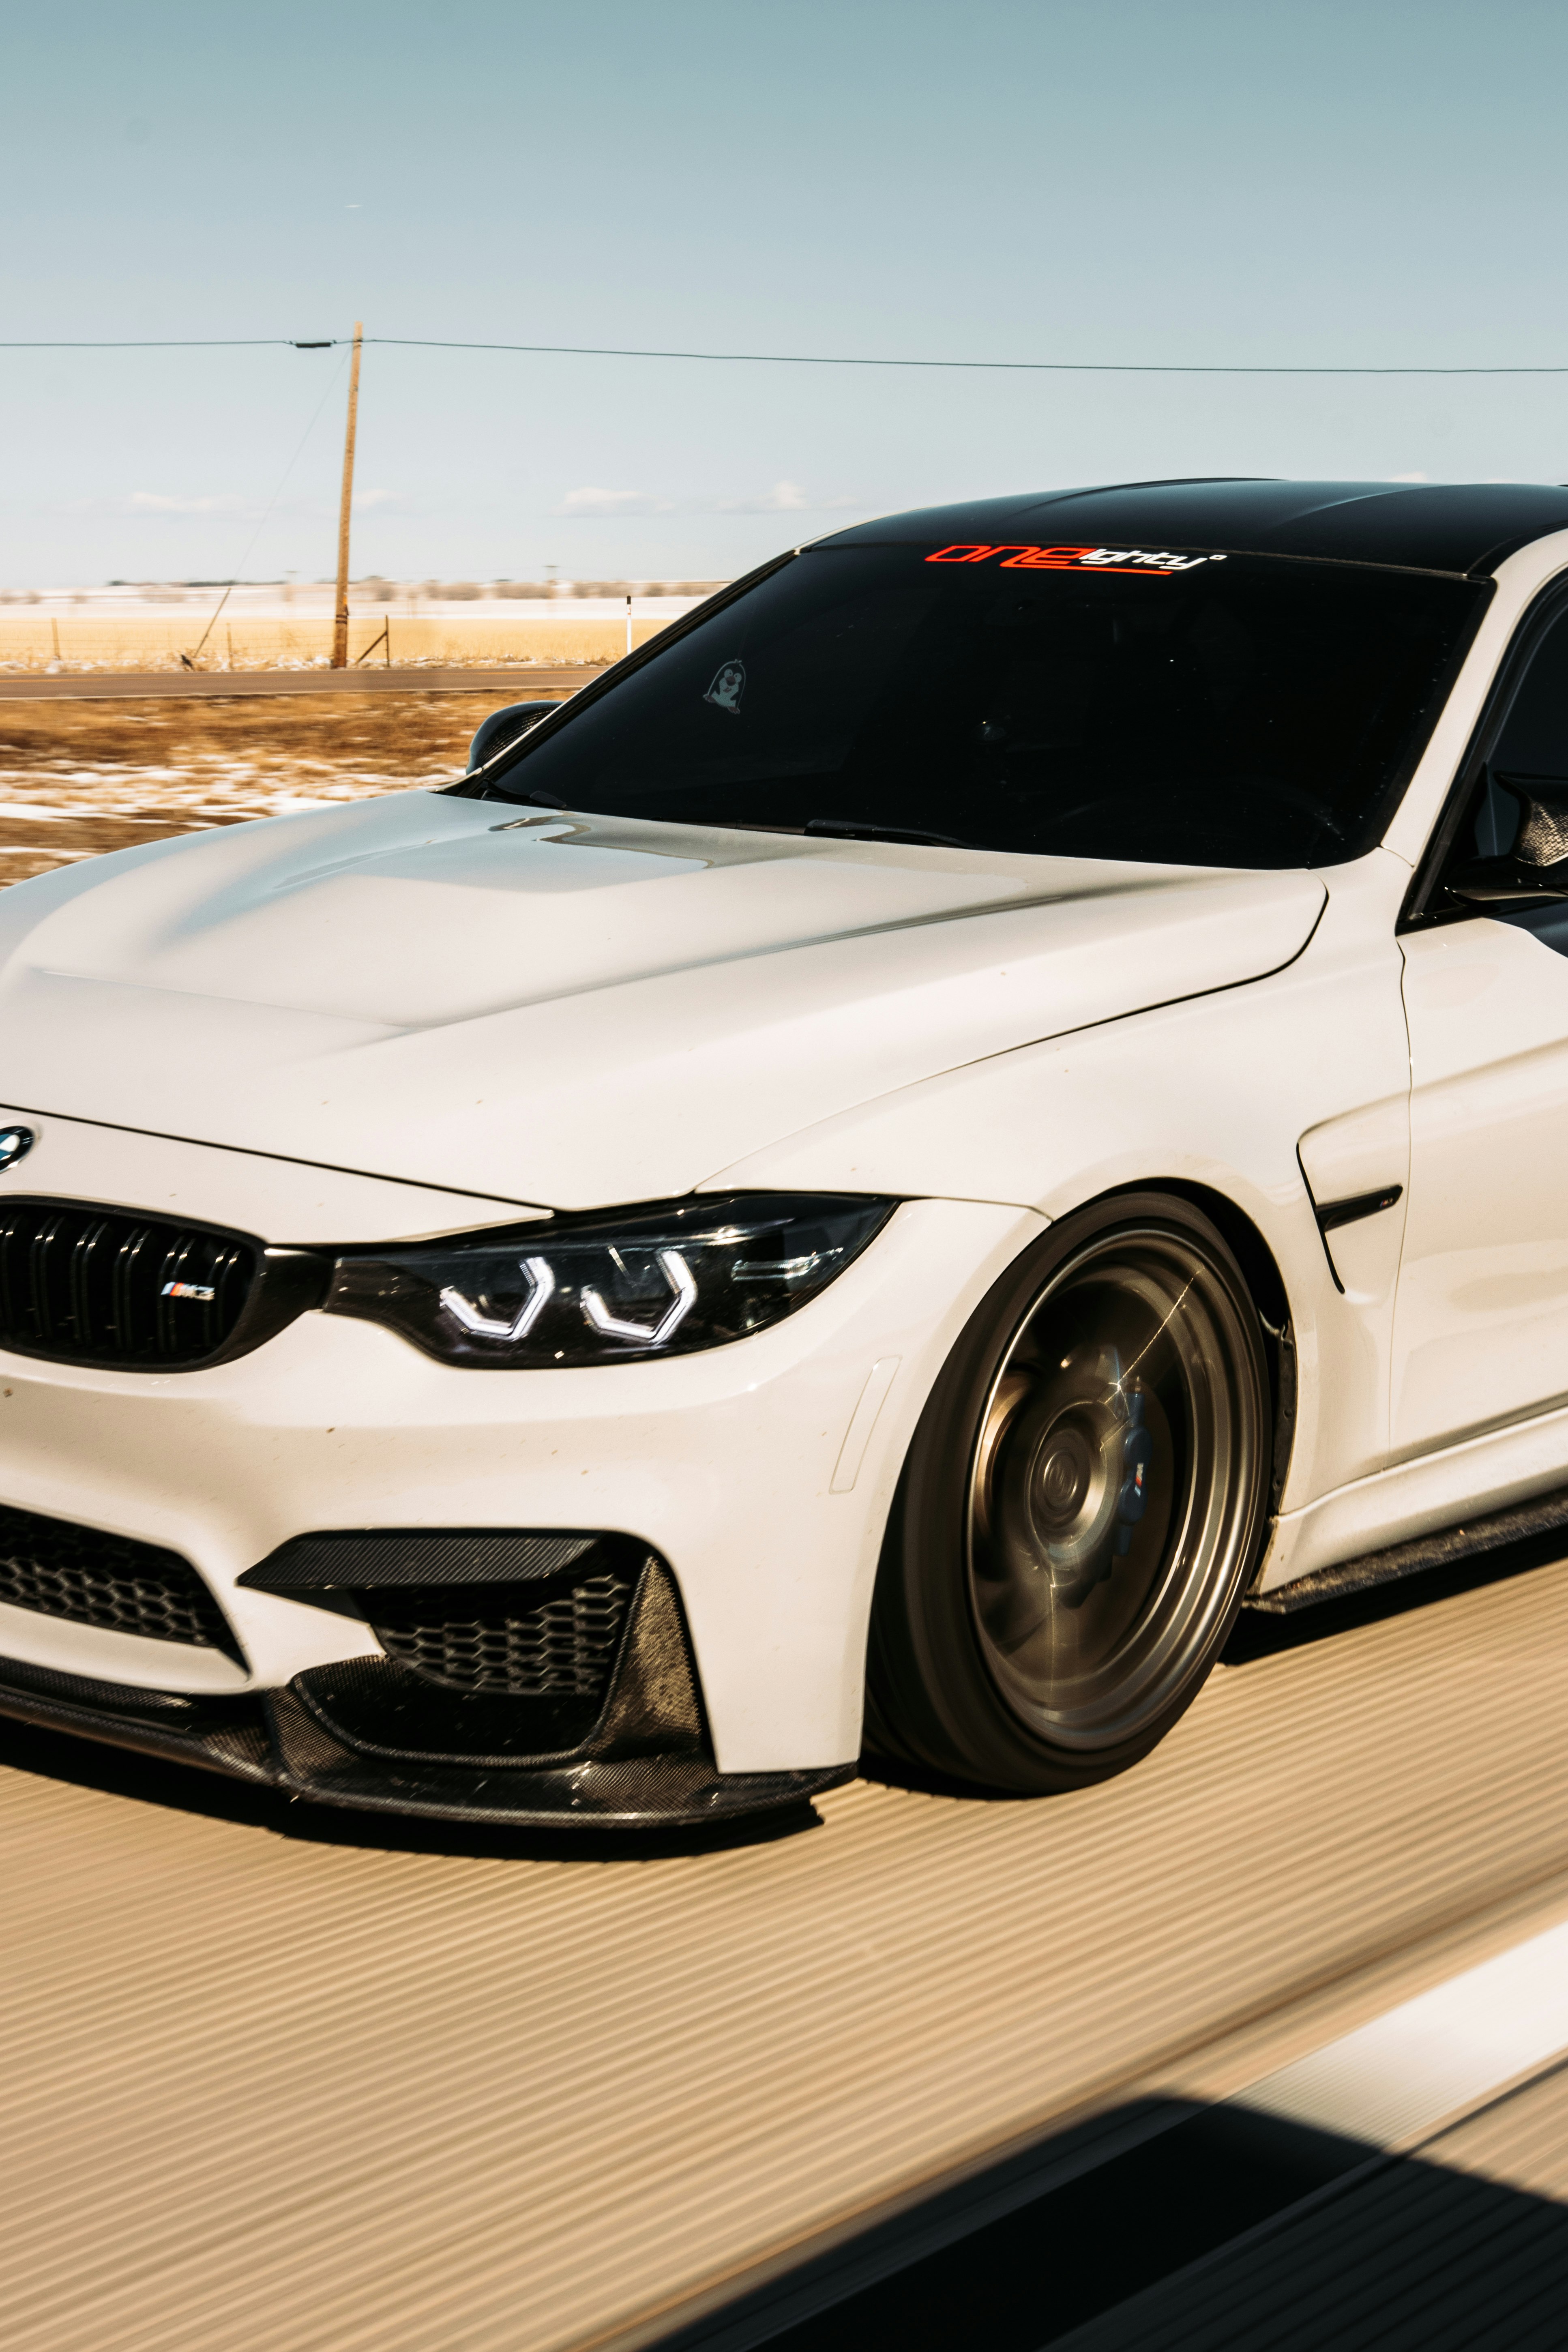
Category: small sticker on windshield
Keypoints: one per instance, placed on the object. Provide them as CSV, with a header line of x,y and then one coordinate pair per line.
x,y
728,687
1017,558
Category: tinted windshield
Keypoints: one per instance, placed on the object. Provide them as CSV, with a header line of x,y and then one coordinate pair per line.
x,y
1239,710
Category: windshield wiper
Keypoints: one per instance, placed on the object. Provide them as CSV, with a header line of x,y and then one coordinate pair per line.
x,y
832,828
849,828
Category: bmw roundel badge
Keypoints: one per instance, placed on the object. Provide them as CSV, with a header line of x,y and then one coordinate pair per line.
x,y
15,1142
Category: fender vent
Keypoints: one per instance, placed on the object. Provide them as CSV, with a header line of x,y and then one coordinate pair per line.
x,y
122,1586
82,1285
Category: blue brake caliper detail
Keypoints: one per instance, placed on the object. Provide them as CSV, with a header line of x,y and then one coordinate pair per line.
x,y
1137,1452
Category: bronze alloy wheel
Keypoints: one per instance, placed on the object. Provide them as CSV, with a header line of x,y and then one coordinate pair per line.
x,y
1081,1508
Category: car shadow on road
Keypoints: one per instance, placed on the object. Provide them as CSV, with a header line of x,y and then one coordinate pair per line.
x,y
893,1772
185,1787
1259,1633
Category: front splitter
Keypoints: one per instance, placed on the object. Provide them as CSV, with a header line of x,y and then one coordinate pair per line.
x,y
271,1738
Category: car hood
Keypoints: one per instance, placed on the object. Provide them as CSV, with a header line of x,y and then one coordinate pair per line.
x,y
572,1011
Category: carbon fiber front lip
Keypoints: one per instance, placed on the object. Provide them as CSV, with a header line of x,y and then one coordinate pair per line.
x,y
274,1739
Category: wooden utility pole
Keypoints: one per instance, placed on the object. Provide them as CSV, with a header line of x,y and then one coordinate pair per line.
x,y
340,617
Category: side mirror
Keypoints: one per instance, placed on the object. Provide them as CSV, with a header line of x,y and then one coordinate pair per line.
x,y
503,726
1508,882
1539,875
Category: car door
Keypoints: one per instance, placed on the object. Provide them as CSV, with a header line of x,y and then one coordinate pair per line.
x,y
1481,1312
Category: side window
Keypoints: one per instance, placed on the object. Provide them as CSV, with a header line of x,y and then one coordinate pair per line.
x,y
1534,738
1521,802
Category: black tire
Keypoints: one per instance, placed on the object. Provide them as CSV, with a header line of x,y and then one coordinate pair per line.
x,y
1082,1509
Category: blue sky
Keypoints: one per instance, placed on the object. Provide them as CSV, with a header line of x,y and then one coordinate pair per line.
x,y
1039,179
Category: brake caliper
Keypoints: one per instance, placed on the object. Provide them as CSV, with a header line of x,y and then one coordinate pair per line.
x,y
1137,1453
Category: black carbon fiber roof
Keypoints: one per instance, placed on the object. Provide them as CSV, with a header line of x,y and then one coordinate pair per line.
x,y
1454,527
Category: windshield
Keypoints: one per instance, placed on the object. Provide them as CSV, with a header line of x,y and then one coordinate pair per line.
x,y
1192,710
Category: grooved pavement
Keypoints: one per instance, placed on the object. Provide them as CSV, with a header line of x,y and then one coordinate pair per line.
x,y
294,2082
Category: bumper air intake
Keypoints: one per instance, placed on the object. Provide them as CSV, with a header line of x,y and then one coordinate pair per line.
x,y
532,1679
110,1582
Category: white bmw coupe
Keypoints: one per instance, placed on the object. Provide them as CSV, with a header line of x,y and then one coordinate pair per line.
x,y
997,1094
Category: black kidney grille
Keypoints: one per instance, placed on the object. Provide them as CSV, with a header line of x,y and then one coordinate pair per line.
x,y
62,1571
528,1639
100,1286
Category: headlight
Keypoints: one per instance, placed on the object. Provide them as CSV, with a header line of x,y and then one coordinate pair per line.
x,y
606,1289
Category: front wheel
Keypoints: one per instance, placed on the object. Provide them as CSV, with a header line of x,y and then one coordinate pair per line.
x,y
1081,1507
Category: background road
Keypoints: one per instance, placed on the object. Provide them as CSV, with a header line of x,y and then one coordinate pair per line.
x,y
512,683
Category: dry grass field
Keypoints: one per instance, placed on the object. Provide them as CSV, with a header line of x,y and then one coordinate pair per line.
x,y
446,638
78,778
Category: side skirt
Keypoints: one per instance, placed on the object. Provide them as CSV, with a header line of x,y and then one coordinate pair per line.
x,y
1438,1549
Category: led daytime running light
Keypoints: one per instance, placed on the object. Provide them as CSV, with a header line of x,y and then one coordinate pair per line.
x,y
542,1288
678,1274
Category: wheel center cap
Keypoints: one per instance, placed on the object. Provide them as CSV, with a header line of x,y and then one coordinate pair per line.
x,y
1063,1471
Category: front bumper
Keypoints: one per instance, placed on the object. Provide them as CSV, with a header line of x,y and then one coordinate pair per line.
x,y
756,1473
357,1734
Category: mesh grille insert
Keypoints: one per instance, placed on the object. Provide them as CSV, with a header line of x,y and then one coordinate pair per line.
x,y
557,1639
105,1286
110,1582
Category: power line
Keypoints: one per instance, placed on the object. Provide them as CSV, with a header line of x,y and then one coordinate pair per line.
x,y
1024,367
188,344
784,359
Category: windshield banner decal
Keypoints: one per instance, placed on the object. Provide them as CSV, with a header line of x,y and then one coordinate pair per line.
x,y
1018,558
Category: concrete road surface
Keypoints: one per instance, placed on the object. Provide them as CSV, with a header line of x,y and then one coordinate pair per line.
x,y
295,2082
